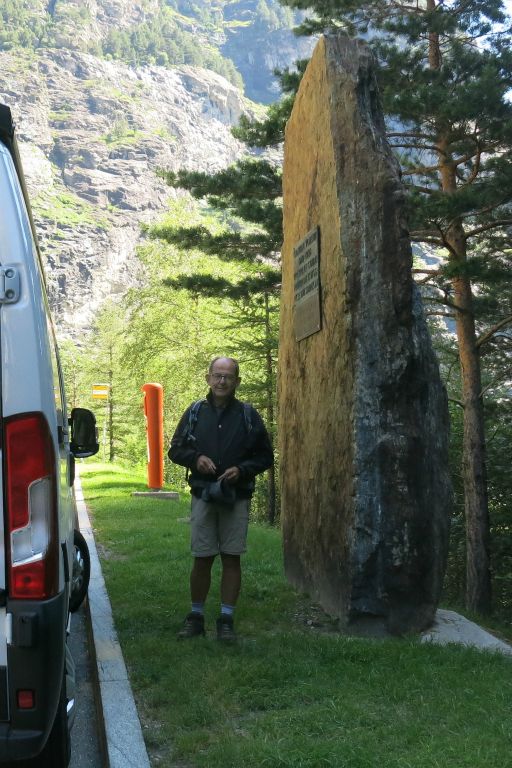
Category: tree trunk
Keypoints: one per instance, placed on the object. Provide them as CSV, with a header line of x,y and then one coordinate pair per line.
x,y
478,578
271,490
111,410
271,477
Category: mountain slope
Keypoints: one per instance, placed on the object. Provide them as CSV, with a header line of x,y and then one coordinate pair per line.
x,y
92,135
251,37
104,93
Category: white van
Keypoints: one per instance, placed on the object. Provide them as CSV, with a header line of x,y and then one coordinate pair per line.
x,y
37,520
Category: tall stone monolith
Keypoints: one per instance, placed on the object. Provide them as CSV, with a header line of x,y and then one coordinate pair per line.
x,y
363,419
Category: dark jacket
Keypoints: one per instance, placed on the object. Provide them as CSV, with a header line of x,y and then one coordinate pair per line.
x,y
223,436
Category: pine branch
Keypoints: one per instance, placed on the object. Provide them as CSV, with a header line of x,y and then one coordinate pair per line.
x,y
430,313
247,179
444,302
498,380
269,132
476,167
487,227
423,169
400,7
423,190
429,274
493,331
227,246
419,147
408,134
430,240
213,287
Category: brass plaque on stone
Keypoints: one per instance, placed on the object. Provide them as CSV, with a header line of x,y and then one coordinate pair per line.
x,y
306,305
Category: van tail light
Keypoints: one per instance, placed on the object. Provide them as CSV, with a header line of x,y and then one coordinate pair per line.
x,y
31,493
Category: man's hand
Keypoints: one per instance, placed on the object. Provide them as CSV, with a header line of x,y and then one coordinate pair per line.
x,y
205,465
231,475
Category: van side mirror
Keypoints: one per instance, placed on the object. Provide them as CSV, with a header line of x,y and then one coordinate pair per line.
x,y
84,435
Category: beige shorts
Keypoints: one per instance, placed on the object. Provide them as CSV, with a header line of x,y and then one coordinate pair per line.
x,y
216,528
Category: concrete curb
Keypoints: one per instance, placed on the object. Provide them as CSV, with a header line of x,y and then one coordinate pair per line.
x,y
124,743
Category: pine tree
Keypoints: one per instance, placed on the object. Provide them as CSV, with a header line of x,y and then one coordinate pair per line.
x,y
249,193
102,364
445,71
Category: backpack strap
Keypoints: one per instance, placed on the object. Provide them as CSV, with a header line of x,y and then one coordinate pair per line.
x,y
193,415
187,435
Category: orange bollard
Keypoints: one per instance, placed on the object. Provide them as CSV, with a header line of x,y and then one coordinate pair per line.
x,y
154,416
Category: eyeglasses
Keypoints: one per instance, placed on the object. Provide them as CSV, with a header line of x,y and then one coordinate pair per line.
x,y
228,378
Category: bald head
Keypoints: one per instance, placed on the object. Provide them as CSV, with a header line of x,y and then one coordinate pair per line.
x,y
223,379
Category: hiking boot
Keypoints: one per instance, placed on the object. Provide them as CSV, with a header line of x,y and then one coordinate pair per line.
x,y
225,629
192,627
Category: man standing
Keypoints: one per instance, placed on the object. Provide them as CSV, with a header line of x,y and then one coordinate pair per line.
x,y
224,444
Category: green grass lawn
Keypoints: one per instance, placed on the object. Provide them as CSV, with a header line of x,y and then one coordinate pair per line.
x,y
289,694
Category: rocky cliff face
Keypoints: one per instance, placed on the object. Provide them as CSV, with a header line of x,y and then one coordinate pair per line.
x,y
258,46
92,134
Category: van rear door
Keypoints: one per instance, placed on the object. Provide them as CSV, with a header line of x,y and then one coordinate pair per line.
x,y
36,527
9,205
